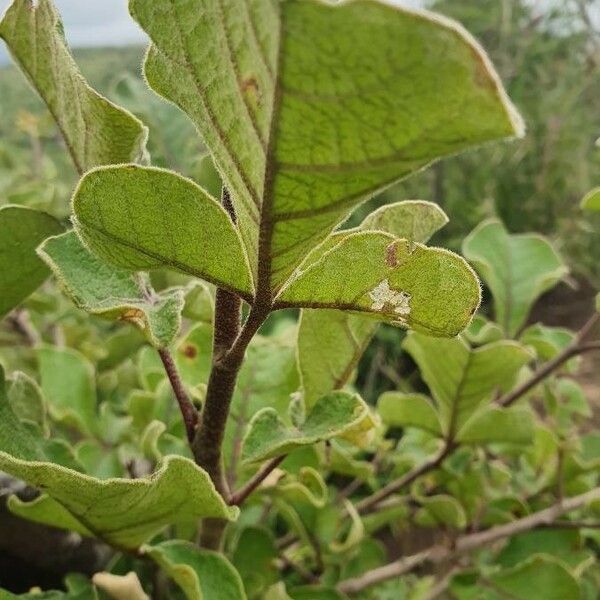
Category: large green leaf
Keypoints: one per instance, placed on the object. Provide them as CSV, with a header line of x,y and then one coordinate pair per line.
x,y
124,512
201,574
332,415
113,293
21,270
518,269
96,131
308,108
142,218
462,379
331,342
427,289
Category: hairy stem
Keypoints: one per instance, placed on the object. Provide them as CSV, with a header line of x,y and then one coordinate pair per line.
x,y
467,543
240,496
188,410
208,441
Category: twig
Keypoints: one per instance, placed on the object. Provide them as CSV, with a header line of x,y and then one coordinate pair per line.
x,y
240,496
468,543
574,349
188,410
304,573
21,323
370,502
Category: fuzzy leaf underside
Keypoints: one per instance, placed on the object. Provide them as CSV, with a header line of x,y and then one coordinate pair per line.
x,y
461,379
21,270
332,415
518,269
110,292
96,131
331,342
427,289
201,574
123,512
309,108
143,218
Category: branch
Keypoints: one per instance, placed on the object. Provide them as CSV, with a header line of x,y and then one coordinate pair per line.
x,y
575,348
240,496
188,410
370,502
468,543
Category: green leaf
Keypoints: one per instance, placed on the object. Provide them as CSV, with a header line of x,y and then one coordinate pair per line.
x,y
441,509
26,400
591,200
482,331
113,293
123,512
21,271
142,218
121,587
253,557
493,424
462,379
408,410
547,576
331,342
96,131
332,415
518,269
414,220
201,574
68,383
427,289
547,341
336,98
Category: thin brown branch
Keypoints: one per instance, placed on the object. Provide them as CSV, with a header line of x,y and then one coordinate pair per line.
x,y
188,410
576,348
240,496
367,504
468,543
21,323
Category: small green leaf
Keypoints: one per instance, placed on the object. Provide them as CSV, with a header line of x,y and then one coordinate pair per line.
x,y
201,574
332,415
493,424
21,270
462,379
441,510
339,98
414,220
26,400
142,218
113,293
96,131
427,289
547,341
518,269
408,410
591,201
482,331
254,558
330,344
68,383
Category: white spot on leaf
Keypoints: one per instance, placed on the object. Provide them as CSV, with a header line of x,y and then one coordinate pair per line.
x,y
384,296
